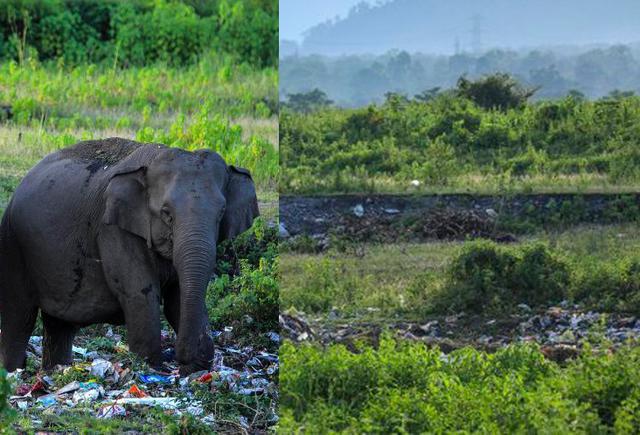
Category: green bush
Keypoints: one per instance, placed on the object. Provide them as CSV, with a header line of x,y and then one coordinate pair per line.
x,y
7,414
452,141
609,286
486,276
405,387
247,282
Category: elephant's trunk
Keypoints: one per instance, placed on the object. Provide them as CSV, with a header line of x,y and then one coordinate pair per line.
x,y
194,255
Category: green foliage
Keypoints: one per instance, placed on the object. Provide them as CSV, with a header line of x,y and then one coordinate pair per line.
x,y
454,143
247,281
611,286
7,414
216,133
598,268
496,91
138,32
307,102
407,388
486,276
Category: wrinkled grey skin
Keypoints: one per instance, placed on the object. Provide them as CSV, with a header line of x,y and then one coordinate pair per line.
x,y
108,231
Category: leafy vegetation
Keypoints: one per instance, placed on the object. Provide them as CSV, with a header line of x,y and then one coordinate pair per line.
x,y
481,136
596,267
245,293
407,388
138,32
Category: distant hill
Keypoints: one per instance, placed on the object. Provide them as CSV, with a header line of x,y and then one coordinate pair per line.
x,y
449,26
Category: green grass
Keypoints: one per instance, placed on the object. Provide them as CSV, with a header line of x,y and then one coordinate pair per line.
x,y
414,280
213,104
404,387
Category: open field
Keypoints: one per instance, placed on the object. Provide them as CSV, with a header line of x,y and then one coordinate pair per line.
x,y
213,104
536,334
402,280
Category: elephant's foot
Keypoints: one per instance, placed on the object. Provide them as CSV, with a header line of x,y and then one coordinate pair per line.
x,y
16,326
58,342
187,369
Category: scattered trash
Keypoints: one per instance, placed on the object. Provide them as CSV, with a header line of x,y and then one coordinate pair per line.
x,y
108,384
156,379
491,213
110,411
69,388
295,327
358,210
415,183
163,402
207,377
88,394
101,367
47,400
134,391
282,231
274,336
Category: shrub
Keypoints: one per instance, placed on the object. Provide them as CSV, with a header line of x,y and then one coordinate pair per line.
x,y
611,286
497,91
485,276
7,413
404,387
247,282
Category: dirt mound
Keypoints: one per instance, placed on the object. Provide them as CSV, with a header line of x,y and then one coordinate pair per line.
x,y
436,224
107,151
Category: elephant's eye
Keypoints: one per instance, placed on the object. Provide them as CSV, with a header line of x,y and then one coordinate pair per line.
x,y
165,214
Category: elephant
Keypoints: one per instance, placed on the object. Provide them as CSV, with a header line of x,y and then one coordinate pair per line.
x,y
113,231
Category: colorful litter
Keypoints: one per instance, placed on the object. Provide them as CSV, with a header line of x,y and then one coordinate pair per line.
x,y
108,385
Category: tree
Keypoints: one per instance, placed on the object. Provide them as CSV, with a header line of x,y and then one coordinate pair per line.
x,y
307,102
496,91
427,95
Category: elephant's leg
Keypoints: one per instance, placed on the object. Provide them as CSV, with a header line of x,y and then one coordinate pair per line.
x,y
130,276
18,309
171,304
16,324
58,341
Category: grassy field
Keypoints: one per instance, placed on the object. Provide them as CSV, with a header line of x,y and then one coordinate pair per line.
x,y
212,104
405,280
479,295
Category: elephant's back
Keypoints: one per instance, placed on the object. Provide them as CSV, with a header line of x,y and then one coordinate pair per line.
x,y
63,191
76,173
104,152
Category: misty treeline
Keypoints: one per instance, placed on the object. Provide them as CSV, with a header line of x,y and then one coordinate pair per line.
x,y
358,80
481,128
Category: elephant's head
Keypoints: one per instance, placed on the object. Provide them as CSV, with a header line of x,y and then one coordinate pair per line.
x,y
183,204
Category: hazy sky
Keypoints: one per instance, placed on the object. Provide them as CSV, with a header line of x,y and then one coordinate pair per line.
x,y
296,16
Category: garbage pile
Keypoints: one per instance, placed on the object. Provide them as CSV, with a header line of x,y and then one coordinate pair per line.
x,y
559,330
114,385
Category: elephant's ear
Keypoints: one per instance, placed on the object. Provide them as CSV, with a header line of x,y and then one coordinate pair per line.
x,y
242,204
126,203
